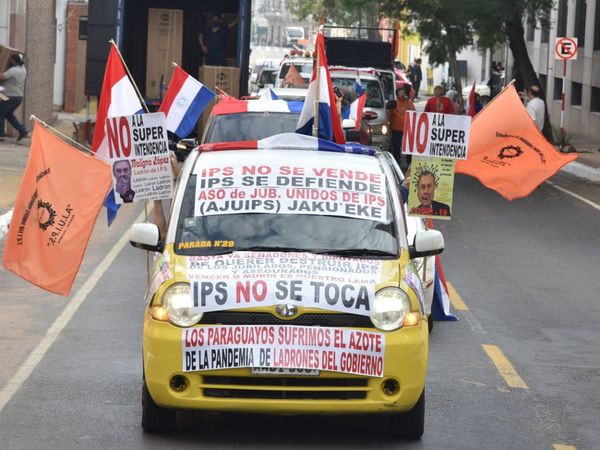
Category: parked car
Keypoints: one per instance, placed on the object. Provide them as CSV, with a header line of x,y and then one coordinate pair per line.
x,y
235,120
481,88
276,303
374,109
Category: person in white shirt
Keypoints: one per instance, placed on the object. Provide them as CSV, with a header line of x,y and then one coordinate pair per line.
x,y
13,82
535,106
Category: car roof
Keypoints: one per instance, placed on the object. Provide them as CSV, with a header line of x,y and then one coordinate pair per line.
x,y
232,105
351,73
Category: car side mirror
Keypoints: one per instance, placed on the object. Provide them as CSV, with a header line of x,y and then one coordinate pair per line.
x,y
426,243
146,236
370,115
348,123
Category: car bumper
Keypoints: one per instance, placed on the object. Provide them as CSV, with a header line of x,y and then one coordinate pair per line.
x,y
237,390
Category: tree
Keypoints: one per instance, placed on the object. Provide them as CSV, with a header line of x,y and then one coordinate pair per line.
x,y
499,20
446,28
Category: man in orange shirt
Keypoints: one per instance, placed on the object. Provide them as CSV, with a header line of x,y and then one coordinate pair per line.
x,y
438,103
395,115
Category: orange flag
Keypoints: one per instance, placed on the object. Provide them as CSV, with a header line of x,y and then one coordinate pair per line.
x,y
507,152
293,78
61,193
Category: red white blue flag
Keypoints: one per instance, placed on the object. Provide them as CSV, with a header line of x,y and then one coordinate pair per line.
x,y
330,127
185,100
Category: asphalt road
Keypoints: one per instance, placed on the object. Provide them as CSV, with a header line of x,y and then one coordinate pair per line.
x,y
527,271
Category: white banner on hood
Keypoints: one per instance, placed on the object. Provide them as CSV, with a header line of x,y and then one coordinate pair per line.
x,y
283,346
251,279
288,183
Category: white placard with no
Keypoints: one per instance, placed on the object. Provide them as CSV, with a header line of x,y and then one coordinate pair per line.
x,y
436,135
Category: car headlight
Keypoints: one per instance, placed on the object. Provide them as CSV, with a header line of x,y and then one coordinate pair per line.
x,y
178,302
390,308
384,129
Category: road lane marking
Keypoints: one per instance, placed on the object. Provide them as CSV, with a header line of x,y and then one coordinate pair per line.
x,y
29,365
563,447
456,299
505,368
573,194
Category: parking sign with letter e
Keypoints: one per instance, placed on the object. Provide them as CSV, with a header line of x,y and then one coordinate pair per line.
x,y
565,48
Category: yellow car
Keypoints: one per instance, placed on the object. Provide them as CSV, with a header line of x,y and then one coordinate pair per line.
x,y
285,285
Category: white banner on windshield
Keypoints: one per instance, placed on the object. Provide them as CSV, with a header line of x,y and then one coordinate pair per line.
x,y
289,183
251,279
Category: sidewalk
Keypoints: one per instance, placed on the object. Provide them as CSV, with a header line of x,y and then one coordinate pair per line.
x,y
587,164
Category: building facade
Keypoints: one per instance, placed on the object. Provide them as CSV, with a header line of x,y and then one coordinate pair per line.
x,y
570,18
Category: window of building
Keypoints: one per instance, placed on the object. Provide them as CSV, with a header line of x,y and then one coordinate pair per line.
x,y
580,10
83,28
546,27
561,26
557,88
576,89
530,27
597,27
595,105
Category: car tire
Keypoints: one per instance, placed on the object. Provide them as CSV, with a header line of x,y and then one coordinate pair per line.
x,y
154,418
411,424
429,323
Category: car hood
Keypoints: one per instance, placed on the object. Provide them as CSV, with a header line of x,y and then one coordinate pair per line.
x,y
282,272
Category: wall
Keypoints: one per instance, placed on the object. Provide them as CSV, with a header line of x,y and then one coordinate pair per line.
x,y
579,121
74,98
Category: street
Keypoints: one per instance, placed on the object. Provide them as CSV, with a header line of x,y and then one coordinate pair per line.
x,y
520,369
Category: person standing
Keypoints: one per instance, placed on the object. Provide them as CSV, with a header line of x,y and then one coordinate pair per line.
x,y
438,103
213,41
416,76
535,106
395,115
13,82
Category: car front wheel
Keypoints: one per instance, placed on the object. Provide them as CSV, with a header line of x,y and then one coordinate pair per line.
x,y
154,418
411,424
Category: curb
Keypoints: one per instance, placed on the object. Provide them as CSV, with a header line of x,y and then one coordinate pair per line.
x,y
581,170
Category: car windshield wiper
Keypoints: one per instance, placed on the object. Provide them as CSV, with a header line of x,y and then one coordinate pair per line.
x,y
357,252
267,248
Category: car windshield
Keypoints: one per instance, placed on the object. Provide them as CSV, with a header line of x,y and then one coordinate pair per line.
x,y
266,76
304,69
250,126
295,32
371,87
220,233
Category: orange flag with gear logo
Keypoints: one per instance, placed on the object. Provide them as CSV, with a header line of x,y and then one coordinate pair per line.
x,y
507,152
60,196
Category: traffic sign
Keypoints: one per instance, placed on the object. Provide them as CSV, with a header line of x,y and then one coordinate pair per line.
x,y
565,48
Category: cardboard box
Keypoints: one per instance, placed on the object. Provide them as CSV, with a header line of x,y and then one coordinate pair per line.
x,y
165,41
225,78
5,54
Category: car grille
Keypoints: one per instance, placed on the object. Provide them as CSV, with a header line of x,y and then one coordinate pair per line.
x,y
285,388
255,318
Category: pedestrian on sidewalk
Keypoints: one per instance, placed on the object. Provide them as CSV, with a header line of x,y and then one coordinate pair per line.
x,y
13,82
438,103
535,106
415,75
395,115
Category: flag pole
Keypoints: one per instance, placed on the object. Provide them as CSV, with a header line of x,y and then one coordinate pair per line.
x,y
137,91
67,138
317,94
145,106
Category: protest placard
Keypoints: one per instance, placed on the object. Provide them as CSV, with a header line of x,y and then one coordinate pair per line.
x,y
431,187
139,154
436,135
251,279
283,346
288,183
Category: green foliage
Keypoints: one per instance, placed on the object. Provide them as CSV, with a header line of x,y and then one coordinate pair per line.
x,y
491,16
